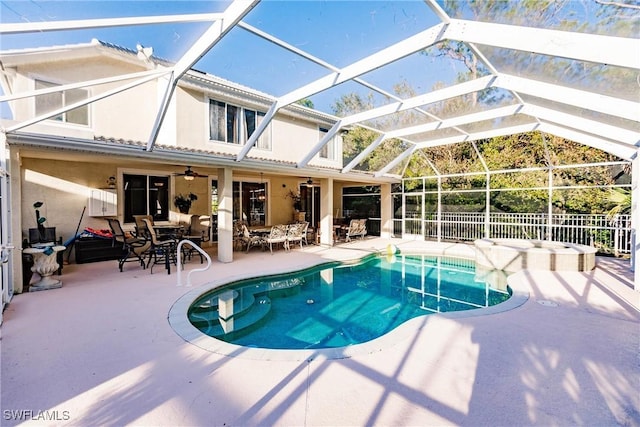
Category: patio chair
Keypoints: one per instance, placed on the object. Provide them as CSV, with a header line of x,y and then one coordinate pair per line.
x,y
306,232
160,251
238,235
277,235
296,233
357,227
140,226
251,240
133,248
200,226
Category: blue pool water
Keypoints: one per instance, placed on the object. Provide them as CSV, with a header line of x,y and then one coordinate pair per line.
x,y
336,305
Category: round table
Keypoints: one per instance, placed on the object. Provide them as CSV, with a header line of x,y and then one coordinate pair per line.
x,y
45,264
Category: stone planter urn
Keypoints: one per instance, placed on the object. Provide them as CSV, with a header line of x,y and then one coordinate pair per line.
x,y
45,264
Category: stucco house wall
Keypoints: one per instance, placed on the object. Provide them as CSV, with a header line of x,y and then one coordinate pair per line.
x,y
291,137
127,115
131,114
63,178
63,187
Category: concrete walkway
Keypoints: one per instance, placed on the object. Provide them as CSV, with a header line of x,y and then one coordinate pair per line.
x,y
100,351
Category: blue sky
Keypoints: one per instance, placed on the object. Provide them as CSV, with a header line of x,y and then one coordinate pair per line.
x,y
339,32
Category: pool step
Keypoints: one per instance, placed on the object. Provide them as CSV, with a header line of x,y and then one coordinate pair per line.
x,y
209,323
242,301
250,305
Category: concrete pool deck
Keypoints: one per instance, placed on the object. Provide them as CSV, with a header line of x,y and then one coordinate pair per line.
x,y
100,351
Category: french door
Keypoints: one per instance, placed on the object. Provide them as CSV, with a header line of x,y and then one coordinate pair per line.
x,y
6,246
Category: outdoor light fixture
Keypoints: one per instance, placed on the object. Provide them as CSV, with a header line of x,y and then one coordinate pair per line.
x,y
189,175
309,182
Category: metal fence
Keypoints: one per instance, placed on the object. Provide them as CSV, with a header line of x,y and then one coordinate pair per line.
x,y
607,235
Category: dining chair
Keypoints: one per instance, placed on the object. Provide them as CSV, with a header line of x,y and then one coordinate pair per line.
x,y
140,226
238,235
357,227
295,233
251,240
277,235
200,225
160,251
305,233
133,248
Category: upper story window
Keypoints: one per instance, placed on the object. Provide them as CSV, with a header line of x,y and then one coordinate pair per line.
x,y
330,149
234,124
56,100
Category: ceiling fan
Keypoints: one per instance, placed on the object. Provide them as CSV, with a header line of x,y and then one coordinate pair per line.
x,y
190,175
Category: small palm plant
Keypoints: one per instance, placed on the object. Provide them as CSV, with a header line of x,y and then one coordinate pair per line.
x,y
621,201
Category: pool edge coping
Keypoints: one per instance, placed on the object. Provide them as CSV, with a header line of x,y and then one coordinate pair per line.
x,y
179,322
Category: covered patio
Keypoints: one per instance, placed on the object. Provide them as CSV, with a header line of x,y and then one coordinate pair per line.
x,y
99,351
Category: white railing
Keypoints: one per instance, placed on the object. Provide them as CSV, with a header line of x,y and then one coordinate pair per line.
x,y
608,235
178,256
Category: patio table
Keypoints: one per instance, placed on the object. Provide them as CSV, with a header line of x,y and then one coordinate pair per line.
x,y
164,230
261,230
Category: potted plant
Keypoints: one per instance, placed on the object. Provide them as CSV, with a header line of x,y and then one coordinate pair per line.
x,y
297,200
183,203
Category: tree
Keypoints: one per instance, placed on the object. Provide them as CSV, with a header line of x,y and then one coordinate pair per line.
x,y
621,199
359,138
305,102
603,17
533,149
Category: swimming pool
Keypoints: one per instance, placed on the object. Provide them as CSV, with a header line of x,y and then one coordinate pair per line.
x,y
342,304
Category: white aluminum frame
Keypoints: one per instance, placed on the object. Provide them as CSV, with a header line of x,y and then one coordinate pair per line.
x,y
614,51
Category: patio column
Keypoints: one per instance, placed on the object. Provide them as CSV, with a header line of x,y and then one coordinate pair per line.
x,y
386,211
225,215
635,219
326,212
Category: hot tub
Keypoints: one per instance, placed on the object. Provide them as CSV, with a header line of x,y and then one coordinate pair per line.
x,y
516,254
